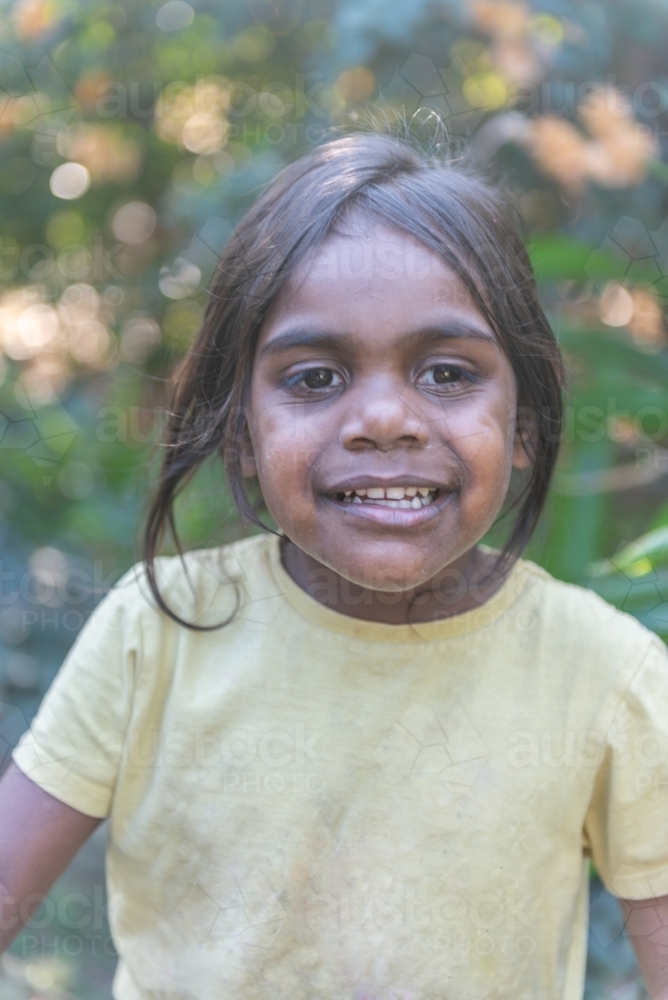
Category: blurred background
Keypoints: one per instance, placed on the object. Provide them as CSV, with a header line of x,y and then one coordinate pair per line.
x,y
134,135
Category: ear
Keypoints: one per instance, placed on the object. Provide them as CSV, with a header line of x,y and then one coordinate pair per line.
x,y
247,457
520,458
525,437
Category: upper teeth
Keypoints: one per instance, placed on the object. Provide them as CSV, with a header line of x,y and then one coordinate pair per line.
x,y
404,496
392,492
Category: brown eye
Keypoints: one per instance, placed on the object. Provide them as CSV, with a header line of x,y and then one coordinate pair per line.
x,y
443,374
447,377
318,378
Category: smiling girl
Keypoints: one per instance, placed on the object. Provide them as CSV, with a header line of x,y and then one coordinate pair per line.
x,y
364,755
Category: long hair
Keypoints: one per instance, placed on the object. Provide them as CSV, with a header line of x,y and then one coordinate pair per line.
x,y
467,221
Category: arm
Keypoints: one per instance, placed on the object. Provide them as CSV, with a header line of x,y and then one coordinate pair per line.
x,y
646,922
39,836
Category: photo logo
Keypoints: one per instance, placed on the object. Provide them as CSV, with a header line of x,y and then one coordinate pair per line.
x,y
628,580
219,908
194,267
38,100
44,433
641,256
12,726
420,85
423,744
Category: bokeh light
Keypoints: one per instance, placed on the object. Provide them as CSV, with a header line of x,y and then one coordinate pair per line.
x,y
134,222
174,16
179,280
139,336
69,181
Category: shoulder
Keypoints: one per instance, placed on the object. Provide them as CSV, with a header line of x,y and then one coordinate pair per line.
x,y
581,621
201,585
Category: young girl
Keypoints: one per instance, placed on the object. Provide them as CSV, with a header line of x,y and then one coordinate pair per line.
x,y
364,756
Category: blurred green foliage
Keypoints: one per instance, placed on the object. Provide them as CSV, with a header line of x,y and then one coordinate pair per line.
x,y
182,112
133,137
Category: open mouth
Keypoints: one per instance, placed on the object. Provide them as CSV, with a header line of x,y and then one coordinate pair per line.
x,y
400,497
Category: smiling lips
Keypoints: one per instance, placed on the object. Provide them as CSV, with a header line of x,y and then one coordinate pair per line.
x,y
402,497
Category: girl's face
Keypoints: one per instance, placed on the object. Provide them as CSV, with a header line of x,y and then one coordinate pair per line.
x,y
382,412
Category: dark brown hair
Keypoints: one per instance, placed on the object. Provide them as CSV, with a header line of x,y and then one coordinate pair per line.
x,y
463,218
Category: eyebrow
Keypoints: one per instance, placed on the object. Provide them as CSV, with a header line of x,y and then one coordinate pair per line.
x,y
304,337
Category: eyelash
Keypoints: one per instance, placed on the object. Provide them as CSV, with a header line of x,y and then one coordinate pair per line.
x,y
294,381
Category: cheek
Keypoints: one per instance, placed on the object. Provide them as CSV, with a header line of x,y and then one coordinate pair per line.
x,y
484,447
286,446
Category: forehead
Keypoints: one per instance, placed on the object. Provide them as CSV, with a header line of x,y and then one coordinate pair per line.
x,y
371,276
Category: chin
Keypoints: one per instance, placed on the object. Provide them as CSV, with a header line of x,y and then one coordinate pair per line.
x,y
385,576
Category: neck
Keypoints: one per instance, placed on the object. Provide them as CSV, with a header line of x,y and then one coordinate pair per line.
x,y
463,585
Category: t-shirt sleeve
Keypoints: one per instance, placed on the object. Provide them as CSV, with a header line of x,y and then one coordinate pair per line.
x,y
626,826
74,744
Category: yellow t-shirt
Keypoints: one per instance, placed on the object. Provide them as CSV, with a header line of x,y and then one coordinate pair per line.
x,y
305,805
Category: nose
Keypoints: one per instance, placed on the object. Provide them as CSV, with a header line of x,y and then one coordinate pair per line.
x,y
382,417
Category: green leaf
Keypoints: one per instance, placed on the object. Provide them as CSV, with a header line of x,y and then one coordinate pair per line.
x,y
558,257
642,555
